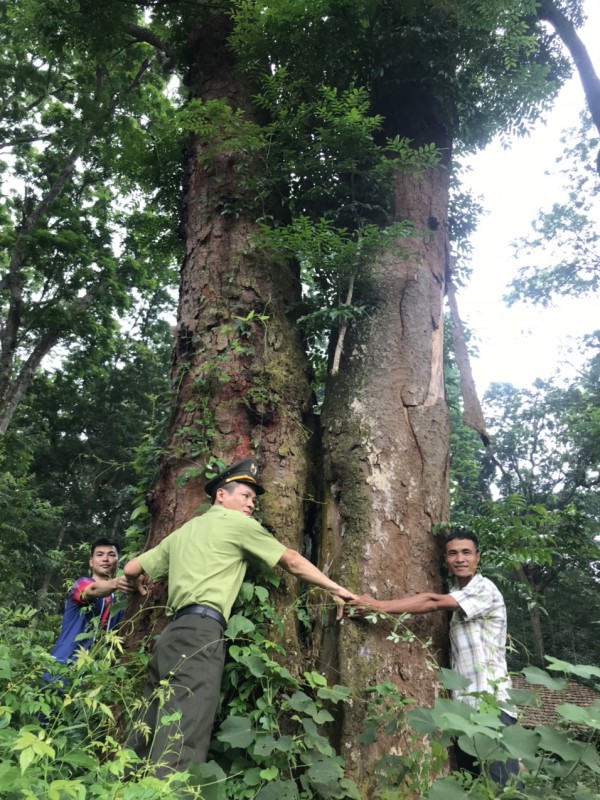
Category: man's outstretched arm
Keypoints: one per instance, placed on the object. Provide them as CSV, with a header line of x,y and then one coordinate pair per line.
x,y
301,567
411,604
103,587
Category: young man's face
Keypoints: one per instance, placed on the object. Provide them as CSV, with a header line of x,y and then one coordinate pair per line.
x,y
103,562
239,498
462,558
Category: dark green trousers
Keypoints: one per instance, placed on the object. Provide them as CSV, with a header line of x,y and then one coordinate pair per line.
x,y
189,658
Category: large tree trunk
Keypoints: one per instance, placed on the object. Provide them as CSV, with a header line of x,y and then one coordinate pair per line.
x,y
386,434
241,381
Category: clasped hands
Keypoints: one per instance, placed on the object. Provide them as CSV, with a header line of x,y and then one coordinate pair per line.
x,y
130,586
355,605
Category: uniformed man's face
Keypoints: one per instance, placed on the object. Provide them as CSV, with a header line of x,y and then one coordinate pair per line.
x,y
103,562
462,558
239,498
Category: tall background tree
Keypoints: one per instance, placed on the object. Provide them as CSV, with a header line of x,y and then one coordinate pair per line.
x,y
87,219
536,487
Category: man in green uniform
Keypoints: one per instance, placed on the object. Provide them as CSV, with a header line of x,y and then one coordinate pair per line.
x,y
205,563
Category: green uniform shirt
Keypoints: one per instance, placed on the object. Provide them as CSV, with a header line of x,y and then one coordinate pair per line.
x,y
205,560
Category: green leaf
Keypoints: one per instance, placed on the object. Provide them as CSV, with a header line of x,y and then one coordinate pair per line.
x,y
61,789
301,702
582,670
540,677
520,742
481,746
26,757
261,593
137,512
251,776
324,772
524,697
270,773
307,706
558,769
5,670
237,732
369,733
315,679
350,789
210,778
556,741
318,744
591,758
422,720
452,680
266,744
238,625
254,664
173,717
246,593
489,720
446,789
278,790
78,758
310,727
334,693
588,716
445,706
459,725
321,717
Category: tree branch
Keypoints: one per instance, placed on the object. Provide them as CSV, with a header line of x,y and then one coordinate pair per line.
x,y
343,329
472,414
165,55
17,388
548,11
26,140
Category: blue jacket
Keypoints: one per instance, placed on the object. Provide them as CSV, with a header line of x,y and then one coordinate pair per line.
x,y
78,616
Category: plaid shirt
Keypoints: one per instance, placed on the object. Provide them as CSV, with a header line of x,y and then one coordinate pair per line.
x,y
478,640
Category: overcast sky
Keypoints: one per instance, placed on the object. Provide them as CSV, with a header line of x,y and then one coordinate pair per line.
x,y
519,344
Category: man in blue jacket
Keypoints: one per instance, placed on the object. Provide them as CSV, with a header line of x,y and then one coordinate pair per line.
x,y
90,598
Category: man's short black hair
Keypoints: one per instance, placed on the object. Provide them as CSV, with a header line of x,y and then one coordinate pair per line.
x,y
103,542
458,532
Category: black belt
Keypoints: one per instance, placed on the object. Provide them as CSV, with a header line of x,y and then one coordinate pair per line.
x,y
202,611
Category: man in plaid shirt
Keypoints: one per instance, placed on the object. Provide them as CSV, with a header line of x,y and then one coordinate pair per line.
x,y
477,634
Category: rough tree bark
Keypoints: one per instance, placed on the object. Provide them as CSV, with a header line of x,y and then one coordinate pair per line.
x,y
241,383
386,434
